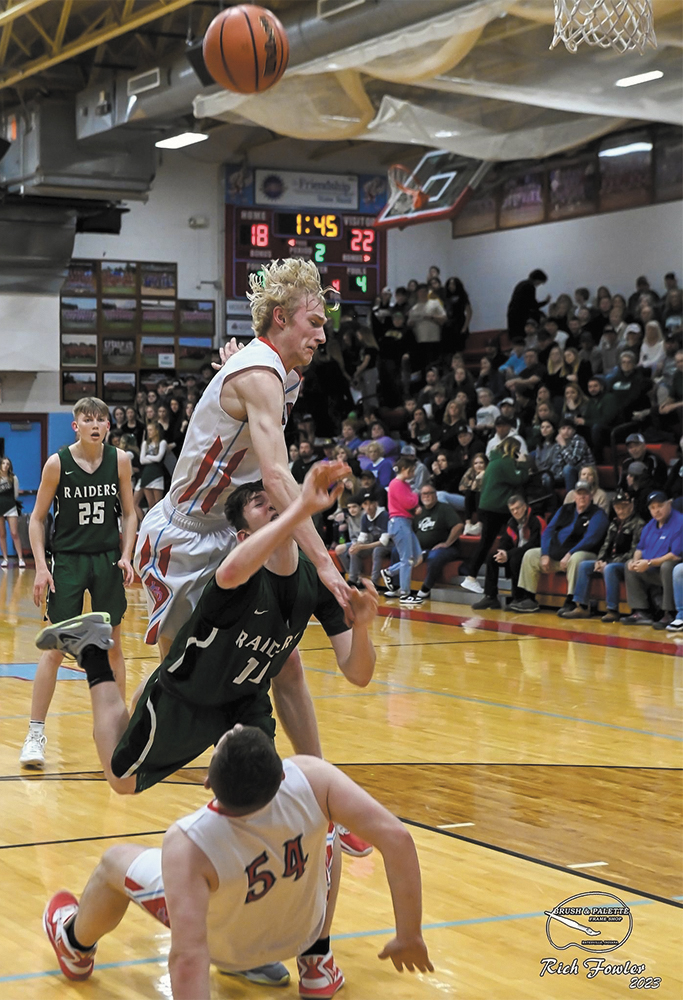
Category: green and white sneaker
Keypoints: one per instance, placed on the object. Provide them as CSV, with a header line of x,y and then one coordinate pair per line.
x,y
274,974
73,635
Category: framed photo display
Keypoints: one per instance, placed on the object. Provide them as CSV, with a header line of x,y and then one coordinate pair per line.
x,y
76,385
119,387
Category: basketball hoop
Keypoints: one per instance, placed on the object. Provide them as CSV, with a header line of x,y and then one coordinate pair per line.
x,y
406,192
617,24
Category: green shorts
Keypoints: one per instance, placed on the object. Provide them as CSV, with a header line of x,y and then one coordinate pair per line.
x,y
76,572
166,733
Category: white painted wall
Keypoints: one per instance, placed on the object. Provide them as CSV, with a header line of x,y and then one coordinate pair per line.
x,y
611,249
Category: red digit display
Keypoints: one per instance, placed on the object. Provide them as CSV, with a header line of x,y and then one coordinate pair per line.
x,y
259,234
368,239
356,240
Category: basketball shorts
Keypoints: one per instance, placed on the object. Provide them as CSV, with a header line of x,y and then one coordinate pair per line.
x,y
12,512
76,572
175,557
144,882
166,733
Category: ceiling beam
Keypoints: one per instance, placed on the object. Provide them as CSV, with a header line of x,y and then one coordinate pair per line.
x,y
61,27
18,10
94,38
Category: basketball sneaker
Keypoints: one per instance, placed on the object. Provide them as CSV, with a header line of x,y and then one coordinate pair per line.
x,y
33,752
73,963
273,974
353,845
319,976
391,590
73,635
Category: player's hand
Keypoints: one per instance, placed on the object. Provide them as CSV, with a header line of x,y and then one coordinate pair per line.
x,y
339,588
364,603
226,352
126,567
322,485
43,579
412,954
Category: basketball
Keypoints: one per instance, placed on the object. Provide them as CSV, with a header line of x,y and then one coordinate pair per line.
x,y
246,49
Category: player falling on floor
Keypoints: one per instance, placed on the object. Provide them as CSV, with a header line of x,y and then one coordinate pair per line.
x,y
220,666
90,484
247,876
235,436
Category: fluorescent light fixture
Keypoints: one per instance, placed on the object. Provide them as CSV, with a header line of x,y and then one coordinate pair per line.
x,y
632,147
633,81
445,133
184,139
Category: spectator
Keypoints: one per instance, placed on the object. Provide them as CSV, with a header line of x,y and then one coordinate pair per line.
x,y
348,525
381,314
639,482
672,311
438,528
574,535
306,459
378,435
460,380
374,460
556,333
659,549
606,354
133,425
490,378
365,377
425,319
467,447
599,415
395,348
445,478
152,455
470,492
506,472
618,548
652,349
674,481
672,399
369,484
523,304
544,412
600,320
426,393
459,312
574,405
569,454
402,504
374,524
677,624
554,379
544,454
531,374
575,329
589,474
503,429
423,433
562,311
487,413
637,452
453,419
642,290
514,363
544,342
522,532
582,297
346,455
350,437
574,369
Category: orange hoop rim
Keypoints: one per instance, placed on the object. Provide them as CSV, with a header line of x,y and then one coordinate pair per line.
x,y
396,173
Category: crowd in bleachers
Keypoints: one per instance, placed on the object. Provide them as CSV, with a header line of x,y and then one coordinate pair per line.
x,y
544,448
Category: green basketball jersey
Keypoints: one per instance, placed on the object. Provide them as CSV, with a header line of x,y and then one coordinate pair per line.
x,y
87,505
236,640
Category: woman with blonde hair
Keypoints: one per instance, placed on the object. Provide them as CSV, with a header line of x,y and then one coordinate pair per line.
x,y
152,455
9,511
574,369
574,401
652,348
589,474
555,379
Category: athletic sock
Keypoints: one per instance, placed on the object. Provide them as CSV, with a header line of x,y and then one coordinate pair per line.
x,y
36,727
72,939
95,662
320,947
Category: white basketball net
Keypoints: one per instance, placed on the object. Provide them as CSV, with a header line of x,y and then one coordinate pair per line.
x,y
616,24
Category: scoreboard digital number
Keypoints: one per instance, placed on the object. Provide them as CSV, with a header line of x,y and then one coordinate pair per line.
x,y
348,252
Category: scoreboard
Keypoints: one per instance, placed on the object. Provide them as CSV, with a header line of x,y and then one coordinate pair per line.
x,y
349,253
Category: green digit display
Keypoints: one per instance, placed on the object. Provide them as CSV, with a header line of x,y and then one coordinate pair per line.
x,y
362,282
319,255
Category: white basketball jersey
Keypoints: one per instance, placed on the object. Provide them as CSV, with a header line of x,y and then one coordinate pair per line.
x,y
272,894
217,454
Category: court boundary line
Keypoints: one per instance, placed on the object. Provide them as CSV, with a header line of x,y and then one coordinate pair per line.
x,y
535,631
670,901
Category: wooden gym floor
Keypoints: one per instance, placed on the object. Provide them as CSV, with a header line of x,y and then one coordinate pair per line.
x,y
532,759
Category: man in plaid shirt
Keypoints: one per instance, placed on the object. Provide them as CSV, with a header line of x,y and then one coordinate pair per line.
x,y
570,454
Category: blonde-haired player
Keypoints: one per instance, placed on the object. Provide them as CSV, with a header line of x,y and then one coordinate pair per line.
x,y
236,436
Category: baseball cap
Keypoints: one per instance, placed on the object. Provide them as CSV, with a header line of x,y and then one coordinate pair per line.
x,y
635,439
582,486
502,421
657,496
636,469
464,429
622,496
367,495
531,322
408,449
507,400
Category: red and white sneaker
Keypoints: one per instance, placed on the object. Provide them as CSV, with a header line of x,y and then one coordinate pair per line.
x,y
353,845
319,975
74,964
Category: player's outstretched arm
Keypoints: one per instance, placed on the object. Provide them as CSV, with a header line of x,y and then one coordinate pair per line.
x,y
49,481
129,519
321,487
346,804
263,404
187,875
354,650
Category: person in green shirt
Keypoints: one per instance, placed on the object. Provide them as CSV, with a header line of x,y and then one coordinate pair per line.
x,y
90,485
218,671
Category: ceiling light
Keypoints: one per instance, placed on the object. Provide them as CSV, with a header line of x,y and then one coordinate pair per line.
x,y
184,139
632,81
445,134
633,147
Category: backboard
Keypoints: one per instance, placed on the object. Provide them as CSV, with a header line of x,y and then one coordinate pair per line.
x,y
448,182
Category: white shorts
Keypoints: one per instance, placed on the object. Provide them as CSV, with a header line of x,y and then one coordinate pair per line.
x,y
11,513
156,484
175,557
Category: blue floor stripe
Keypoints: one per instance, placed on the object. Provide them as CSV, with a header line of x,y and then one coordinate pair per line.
x,y
406,688
384,931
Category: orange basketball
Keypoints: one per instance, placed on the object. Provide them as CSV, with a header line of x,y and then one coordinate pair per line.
x,y
246,49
